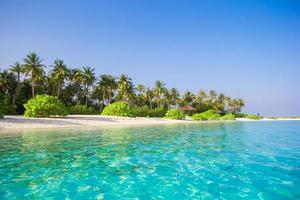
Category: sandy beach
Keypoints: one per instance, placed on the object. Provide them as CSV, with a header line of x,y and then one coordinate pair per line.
x,y
18,122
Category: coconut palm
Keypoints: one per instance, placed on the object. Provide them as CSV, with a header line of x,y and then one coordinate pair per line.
x,y
59,74
88,80
105,89
125,88
159,90
149,97
33,67
188,98
77,78
17,70
140,96
174,96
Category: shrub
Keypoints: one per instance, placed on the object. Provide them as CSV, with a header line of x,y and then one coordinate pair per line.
x,y
228,116
44,106
175,114
1,115
207,115
82,109
199,116
141,112
252,116
118,109
157,112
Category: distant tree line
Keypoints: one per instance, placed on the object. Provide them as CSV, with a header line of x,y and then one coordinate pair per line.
x,y
74,86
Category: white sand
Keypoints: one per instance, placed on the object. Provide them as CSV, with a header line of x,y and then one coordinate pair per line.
x,y
18,122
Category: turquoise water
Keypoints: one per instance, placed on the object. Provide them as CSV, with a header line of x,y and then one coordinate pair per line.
x,y
238,160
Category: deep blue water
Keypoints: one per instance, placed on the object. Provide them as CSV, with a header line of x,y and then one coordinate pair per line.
x,y
238,160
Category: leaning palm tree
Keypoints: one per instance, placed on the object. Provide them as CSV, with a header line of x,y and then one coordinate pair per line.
x,y
33,67
59,74
17,70
88,79
158,91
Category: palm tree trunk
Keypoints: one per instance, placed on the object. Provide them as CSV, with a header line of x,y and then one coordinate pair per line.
x,y
58,90
86,96
77,94
32,88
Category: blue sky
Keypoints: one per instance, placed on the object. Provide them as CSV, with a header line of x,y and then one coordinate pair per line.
x,y
248,49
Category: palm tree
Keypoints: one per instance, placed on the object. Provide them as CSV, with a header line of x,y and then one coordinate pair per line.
x,y
188,98
77,78
158,91
105,89
34,68
174,96
149,96
88,79
59,74
220,103
167,98
125,87
140,97
17,70
212,97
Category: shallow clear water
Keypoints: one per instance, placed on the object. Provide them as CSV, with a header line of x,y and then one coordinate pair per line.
x,y
238,160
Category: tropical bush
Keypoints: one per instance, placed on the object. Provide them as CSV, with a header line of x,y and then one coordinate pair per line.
x,y
118,109
157,112
252,116
45,106
141,112
207,115
175,114
82,110
1,115
199,116
228,116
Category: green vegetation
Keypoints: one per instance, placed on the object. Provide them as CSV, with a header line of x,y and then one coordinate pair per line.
x,y
45,106
175,114
82,110
207,115
81,86
1,115
228,116
252,116
146,112
118,109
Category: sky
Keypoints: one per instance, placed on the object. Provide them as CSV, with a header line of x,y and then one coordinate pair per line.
x,y
246,49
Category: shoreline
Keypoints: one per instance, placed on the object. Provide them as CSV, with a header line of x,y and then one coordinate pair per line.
x,y
20,123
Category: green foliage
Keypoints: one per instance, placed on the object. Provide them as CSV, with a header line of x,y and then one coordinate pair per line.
x,y
175,114
146,112
228,116
157,112
82,110
1,115
118,109
141,112
207,115
252,116
199,116
44,106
